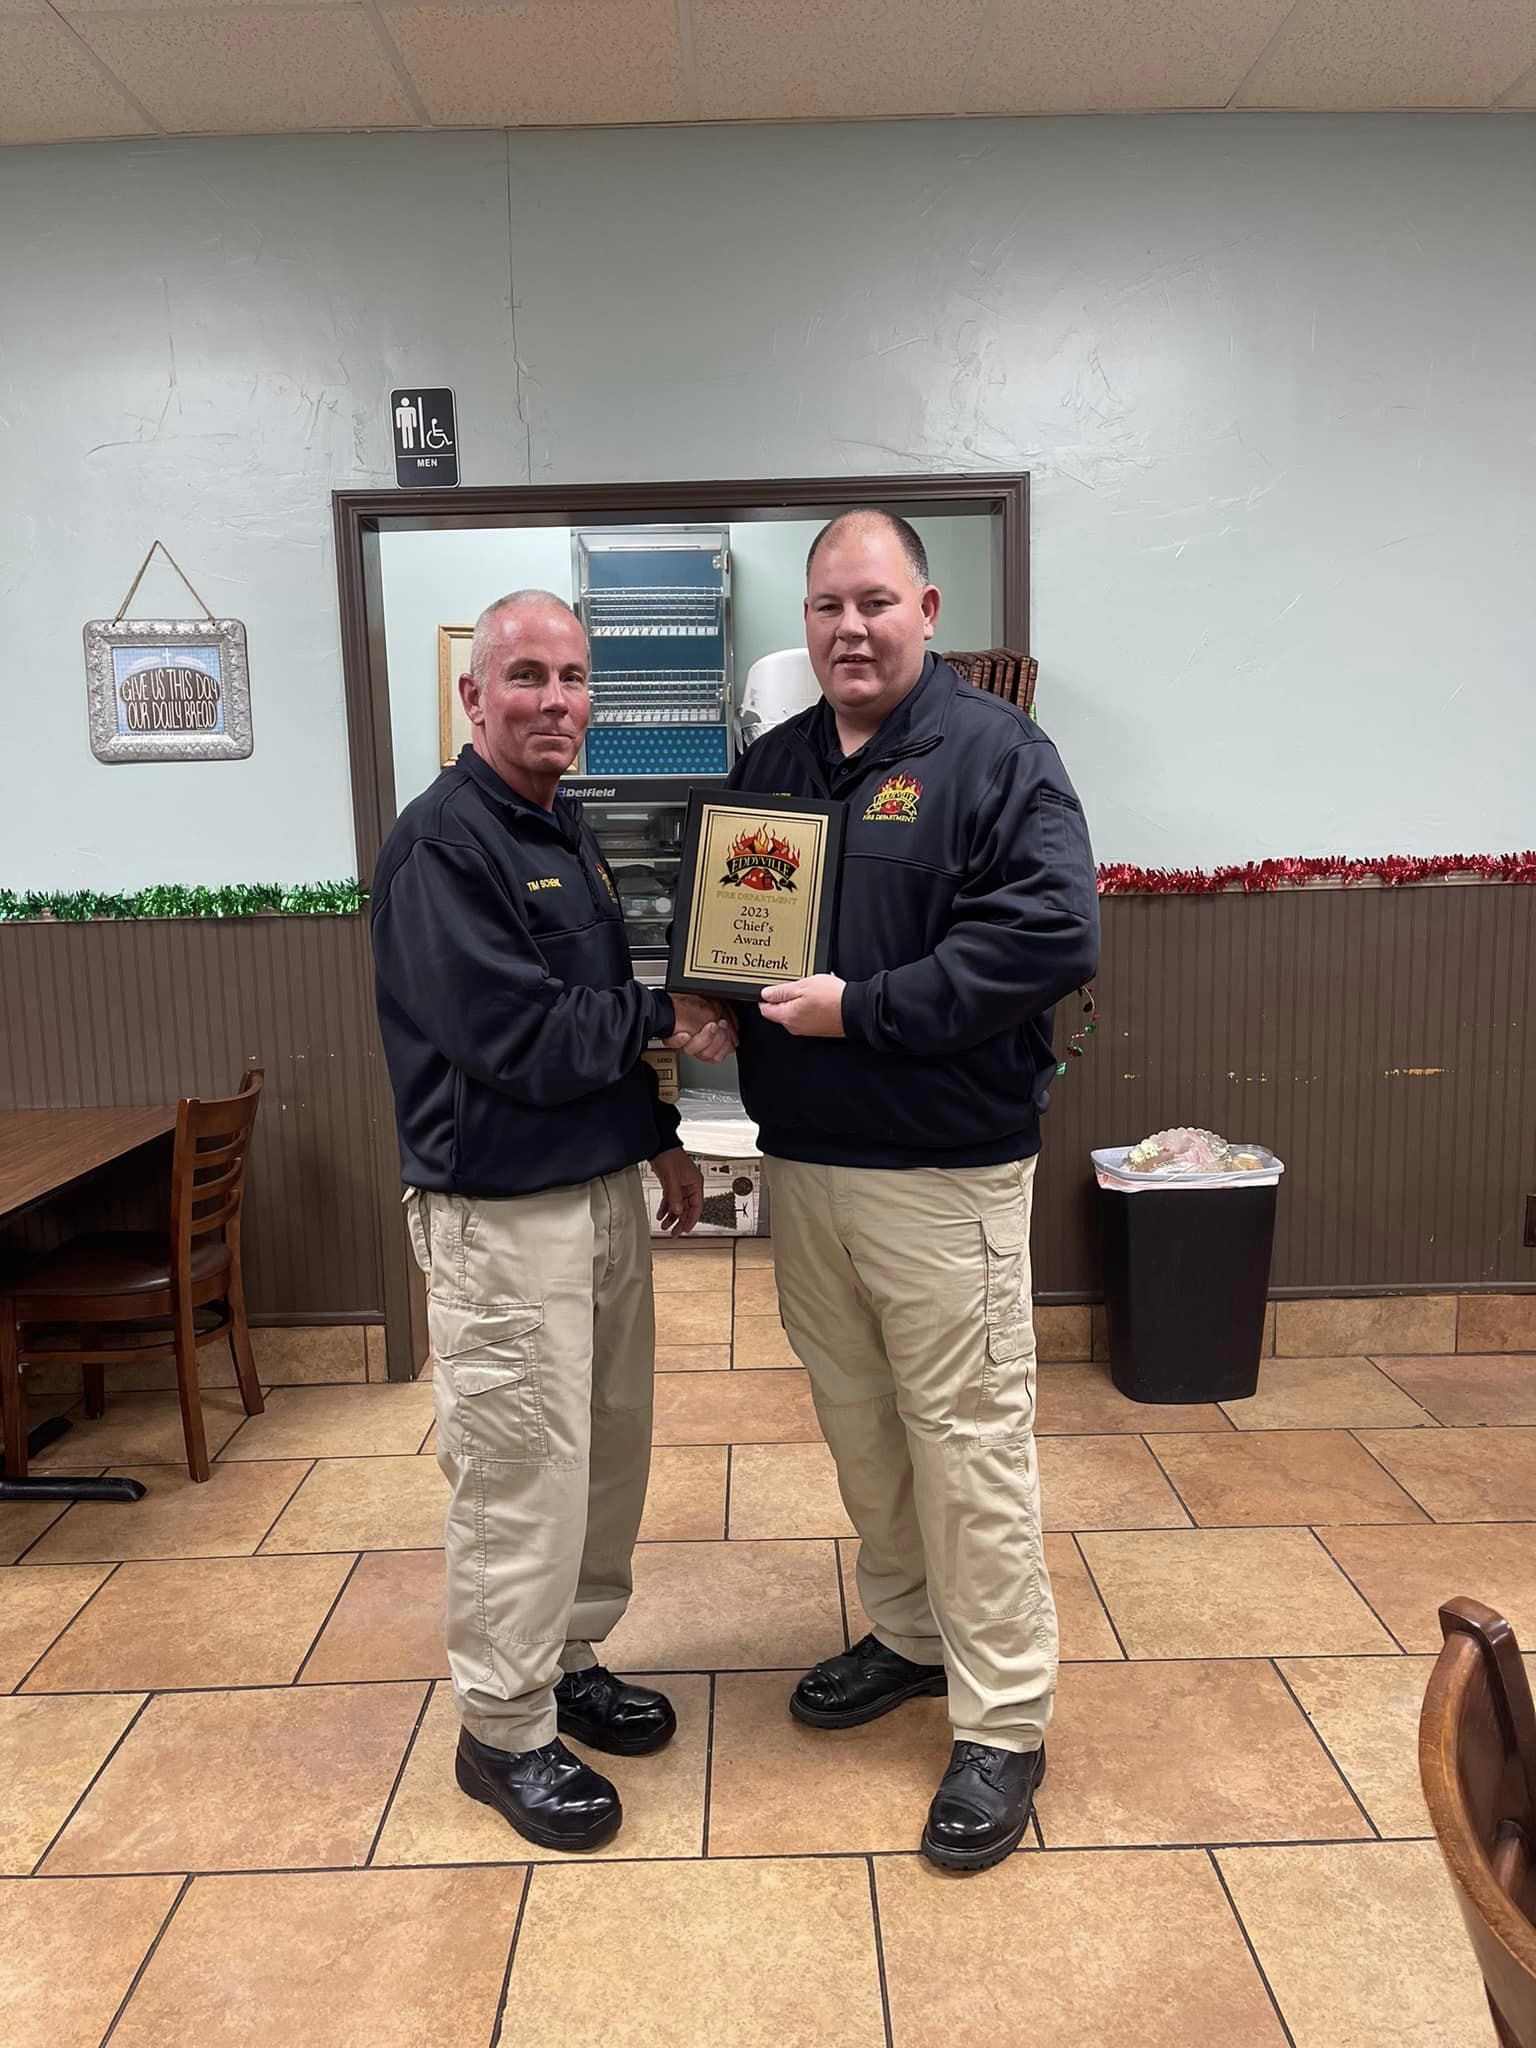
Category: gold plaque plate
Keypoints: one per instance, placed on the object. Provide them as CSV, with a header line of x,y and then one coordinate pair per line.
x,y
756,893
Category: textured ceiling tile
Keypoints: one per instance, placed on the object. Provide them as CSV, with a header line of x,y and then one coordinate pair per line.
x,y
1394,53
1076,56
253,71
828,59
50,91
71,9
544,63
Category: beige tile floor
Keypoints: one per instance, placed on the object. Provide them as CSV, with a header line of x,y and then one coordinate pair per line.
x,y
225,1742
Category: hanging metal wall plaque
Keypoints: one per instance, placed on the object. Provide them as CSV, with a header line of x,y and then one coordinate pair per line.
x,y
167,689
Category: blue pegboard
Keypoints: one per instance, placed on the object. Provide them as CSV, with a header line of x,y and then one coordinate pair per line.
x,y
656,750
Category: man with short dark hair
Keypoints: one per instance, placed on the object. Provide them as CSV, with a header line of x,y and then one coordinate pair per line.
x,y
513,1026
898,1102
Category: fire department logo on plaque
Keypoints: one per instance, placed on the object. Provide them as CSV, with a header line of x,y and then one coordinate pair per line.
x,y
761,860
895,801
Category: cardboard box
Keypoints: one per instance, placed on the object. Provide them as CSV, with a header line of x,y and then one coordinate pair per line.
x,y
665,1065
732,1198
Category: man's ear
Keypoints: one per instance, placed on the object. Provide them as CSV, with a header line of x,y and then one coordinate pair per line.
x,y
930,603
469,697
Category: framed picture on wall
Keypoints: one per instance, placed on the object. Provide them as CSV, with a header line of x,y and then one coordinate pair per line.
x,y
453,728
168,689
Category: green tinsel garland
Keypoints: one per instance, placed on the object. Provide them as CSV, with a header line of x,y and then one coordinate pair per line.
x,y
175,899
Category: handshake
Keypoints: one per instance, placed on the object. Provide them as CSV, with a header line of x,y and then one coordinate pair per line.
x,y
705,1029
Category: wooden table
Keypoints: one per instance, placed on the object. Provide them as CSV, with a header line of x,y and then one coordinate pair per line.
x,y
42,1152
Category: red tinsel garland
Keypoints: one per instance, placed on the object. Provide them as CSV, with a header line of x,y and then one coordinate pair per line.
x,y
1390,871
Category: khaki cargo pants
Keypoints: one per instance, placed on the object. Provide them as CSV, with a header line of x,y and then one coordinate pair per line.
x,y
540,1314
907,1295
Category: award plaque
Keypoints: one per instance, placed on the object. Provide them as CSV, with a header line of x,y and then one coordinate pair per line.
x,y
756,892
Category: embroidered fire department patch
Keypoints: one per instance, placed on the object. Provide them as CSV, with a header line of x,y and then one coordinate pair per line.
x,y
895,801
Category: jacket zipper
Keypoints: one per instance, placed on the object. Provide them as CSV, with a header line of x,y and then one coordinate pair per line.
x,y
827,788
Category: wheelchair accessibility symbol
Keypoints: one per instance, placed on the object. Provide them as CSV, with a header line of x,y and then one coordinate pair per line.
x,y
425,437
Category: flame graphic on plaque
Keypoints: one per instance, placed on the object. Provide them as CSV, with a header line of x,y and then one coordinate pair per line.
x,y
761,860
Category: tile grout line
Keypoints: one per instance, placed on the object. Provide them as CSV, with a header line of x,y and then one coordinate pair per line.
x,y
1406,1491
347,1578
1098,1590
665,1542
1429,1414
91,1783
874,1918
709,1767
64,1508
323,1685
1359,1595
1142,1848
506,1979
1327,1752
1194,1521
428,1689
692,1373
64,1631
842,1585
287,1504
725,1506
149,1956
1221,1879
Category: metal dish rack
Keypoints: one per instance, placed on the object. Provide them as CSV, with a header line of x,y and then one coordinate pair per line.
x,y
655,601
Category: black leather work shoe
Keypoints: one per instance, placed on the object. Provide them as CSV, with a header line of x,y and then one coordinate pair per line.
x,y
606,1713
860,1685
547,1794
982,1808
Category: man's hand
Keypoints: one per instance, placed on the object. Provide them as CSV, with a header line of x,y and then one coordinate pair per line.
x,y
705,1029
812,1008
682,1192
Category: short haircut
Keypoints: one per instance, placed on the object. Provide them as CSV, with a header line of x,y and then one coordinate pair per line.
x,y
513,601
908,535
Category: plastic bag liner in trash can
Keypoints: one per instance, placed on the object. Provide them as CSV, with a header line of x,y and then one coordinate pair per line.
x,y
1186,1276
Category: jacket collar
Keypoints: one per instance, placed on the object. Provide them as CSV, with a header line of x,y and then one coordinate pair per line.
x,y
916,724
490,784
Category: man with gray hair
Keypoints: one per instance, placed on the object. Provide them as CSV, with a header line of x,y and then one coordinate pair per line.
x,y
513,1027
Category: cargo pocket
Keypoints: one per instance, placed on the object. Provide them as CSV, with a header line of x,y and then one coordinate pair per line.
x,y
491,1361
416,1228
1009,1325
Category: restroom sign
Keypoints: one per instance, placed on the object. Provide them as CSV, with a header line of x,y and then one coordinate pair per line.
x,y
426,437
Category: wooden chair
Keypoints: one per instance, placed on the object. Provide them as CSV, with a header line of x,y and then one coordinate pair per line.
x,y
1477,1763
116,1291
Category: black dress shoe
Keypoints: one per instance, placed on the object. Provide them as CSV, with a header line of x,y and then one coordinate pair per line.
x,y
547,1794
860,1685
606,1713
981,1810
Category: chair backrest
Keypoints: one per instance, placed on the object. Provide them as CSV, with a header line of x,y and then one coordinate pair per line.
x,y
213,1143
1477,1763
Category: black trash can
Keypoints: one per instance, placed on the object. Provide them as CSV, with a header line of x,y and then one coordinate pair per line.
x,y
1186,1283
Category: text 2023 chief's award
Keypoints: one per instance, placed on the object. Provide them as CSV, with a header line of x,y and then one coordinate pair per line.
x,y
756,892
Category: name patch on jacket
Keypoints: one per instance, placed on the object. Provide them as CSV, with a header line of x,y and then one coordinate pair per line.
x,y
895,801
545,882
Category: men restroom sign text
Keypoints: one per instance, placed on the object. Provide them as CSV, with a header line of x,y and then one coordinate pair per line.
x,y
426,437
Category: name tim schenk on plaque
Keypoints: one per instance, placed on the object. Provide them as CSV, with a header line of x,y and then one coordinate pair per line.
x,y
756,894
